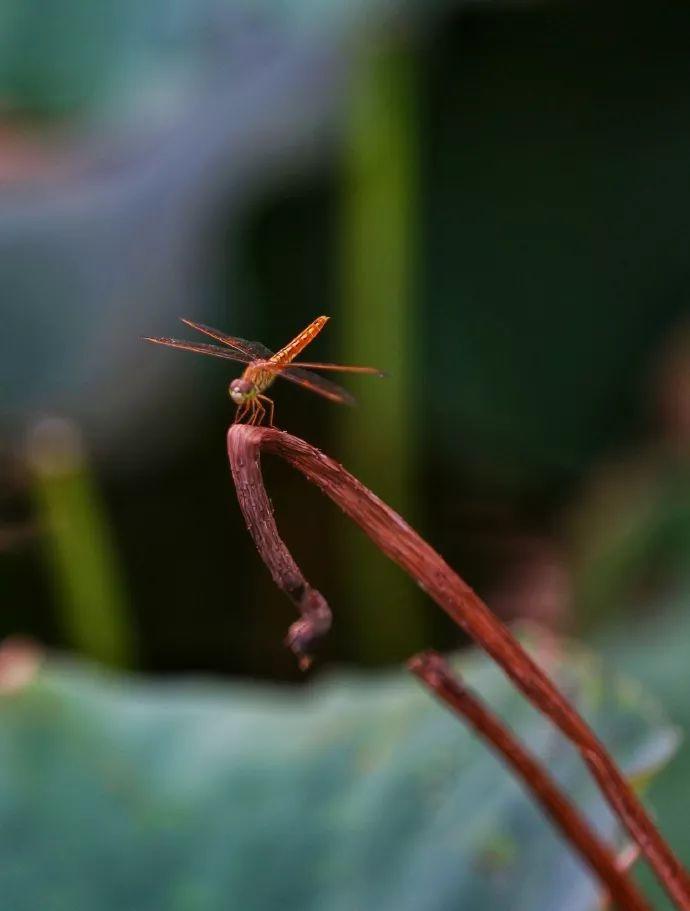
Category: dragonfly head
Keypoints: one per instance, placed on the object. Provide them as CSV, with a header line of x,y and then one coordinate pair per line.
x,y
240,390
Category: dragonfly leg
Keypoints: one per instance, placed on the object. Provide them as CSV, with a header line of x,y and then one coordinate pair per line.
x,y
257,411
240,413
271,408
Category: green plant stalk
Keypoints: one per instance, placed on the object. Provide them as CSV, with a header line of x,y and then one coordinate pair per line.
x,y
378,326
79,548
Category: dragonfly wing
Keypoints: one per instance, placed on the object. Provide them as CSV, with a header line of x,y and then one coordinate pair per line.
x,y
342,368
202,348
253,350
318,384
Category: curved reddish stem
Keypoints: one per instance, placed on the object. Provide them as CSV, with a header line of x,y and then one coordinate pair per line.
x,y
404,546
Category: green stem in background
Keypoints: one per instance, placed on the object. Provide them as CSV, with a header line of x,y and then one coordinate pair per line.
x,y
78,545
378,326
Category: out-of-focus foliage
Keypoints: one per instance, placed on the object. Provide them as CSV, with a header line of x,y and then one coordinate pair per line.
x,y
657,654
358,792
557,220
196,158
172,116
78,546
630,529
71,57
633,538
379,250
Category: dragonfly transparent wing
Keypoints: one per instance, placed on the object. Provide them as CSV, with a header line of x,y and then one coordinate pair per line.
x,y
316,383
342,368
202,348
253,350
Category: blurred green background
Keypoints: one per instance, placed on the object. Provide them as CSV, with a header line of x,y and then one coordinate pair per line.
x,y
490,199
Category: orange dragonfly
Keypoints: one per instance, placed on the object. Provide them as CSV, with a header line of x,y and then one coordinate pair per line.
x,y
263,366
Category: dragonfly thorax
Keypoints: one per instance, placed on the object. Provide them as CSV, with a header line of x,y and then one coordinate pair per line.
x,y
240,390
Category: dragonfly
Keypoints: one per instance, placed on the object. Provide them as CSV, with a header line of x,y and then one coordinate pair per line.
x,y
263,367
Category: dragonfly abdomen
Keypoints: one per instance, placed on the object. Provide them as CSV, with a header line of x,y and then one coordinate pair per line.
x,y
299,342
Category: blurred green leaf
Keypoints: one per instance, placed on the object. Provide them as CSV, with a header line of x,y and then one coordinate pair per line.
x,y
78,545
631,534
657,654
354,793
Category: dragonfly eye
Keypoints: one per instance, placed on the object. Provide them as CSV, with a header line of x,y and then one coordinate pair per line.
x,y
239,390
